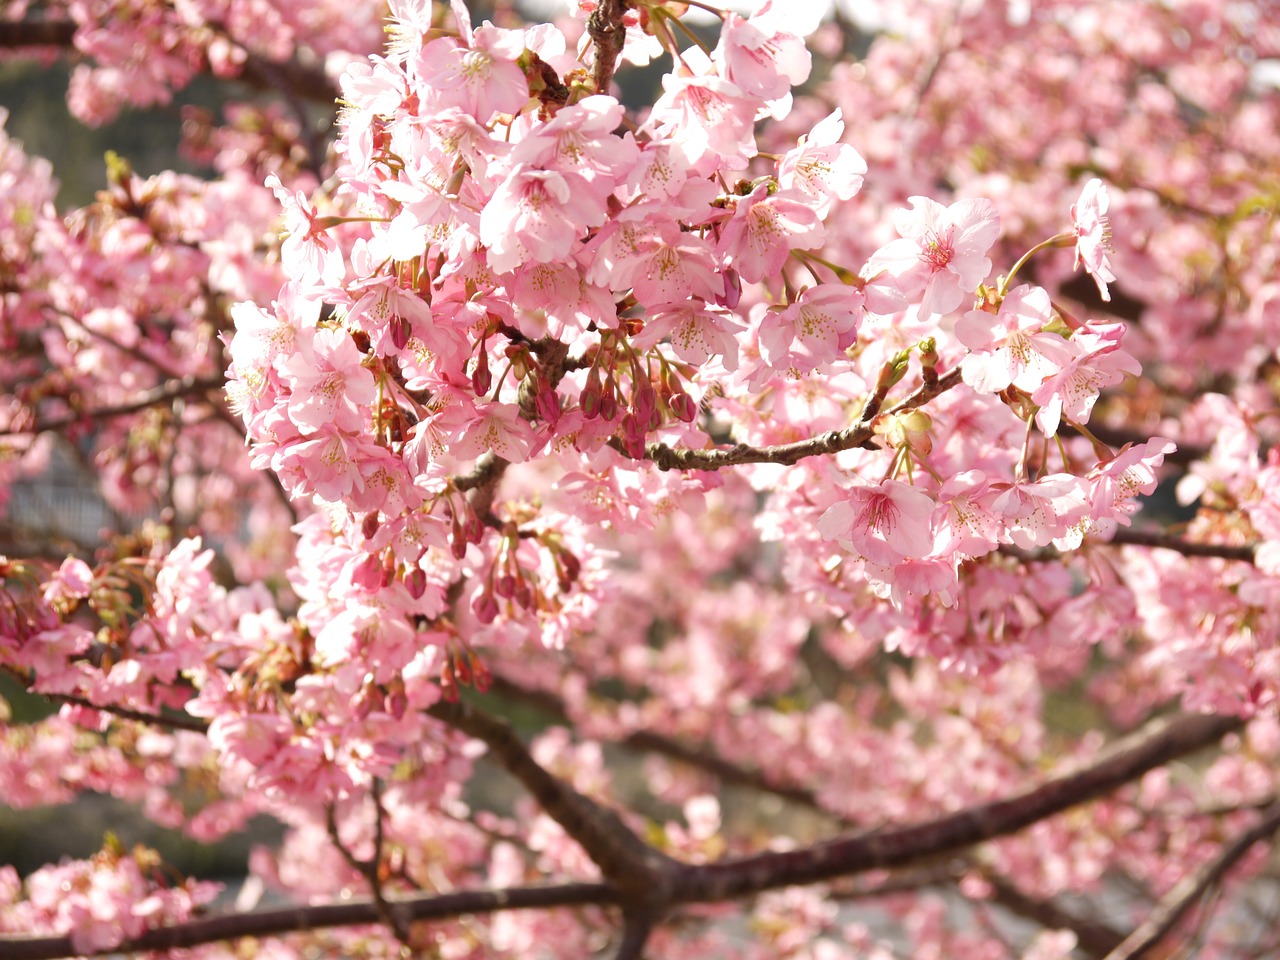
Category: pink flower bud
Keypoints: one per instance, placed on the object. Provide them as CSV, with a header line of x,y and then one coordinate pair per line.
x,y
415,582
683,407
472,525
457,541
547,403
397,701
524,594
481,679
632,436
481,378
400,332
485,607
589,400
368,572
644,403
732,290
609,400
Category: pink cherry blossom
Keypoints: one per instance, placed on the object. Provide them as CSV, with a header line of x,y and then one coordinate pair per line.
x,y
815,330
656,424
706,117
941,256
761,54
535,215
1012,345
765,227
1093,233
308,249
482,78
328,382
886,523
822,167
1073,390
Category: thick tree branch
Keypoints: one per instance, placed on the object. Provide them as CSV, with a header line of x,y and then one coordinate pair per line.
x,y
15,34
636,928
607,36
273,923
652,742
669,458
1246,553
1094,938
1153,746
163,393
290,77
637,870
661,882
1189,891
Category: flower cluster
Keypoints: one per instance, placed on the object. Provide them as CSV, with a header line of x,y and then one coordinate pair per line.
x,y
513,275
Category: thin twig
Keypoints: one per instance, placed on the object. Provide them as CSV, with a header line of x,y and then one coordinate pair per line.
x,y
166,721
1191,889
293,76
1093,937
654,742
670,458
369,869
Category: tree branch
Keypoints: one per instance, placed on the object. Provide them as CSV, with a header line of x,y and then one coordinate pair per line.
x,y
270,923
291,77
171,390
638,871
1246,553
607,36
15,34
169,722
636,928
659,882
1155,745
370,868
652,742
669,458
1187,892
1092,937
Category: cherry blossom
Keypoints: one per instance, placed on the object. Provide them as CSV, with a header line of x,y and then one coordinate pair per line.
x,y
747,442
941,255
1093,232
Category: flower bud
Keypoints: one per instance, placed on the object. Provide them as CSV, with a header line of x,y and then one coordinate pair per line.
x,y
609,400
415,581
632,436
397,701
644,403
481,378
683,407
368,572
589,400
547,403
894,369
485,606
400,332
